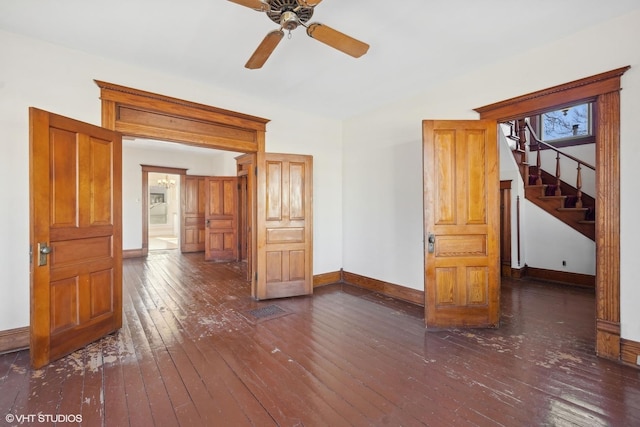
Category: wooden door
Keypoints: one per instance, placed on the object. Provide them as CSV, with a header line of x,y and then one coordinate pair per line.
x,y
461,223
76,234
192,236
284,226
246,171
505,228
221,218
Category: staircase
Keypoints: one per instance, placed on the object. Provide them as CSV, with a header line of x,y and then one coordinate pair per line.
x,y
548,191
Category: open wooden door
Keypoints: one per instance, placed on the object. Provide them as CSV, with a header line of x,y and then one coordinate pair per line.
x,y
284,251
246,212
221,218
461,224
76,234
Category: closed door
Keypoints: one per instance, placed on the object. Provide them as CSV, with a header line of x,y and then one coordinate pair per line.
x,y
221,218
461,222
192,235
76,234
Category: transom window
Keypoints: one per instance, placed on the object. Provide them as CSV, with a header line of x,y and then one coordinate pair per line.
x,y
571,125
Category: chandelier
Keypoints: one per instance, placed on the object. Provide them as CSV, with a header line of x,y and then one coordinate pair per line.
x,y
166,182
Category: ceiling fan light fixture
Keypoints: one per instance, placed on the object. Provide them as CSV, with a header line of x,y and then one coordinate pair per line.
x,y
289,21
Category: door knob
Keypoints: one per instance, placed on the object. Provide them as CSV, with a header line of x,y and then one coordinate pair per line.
x,y
43,251
431,243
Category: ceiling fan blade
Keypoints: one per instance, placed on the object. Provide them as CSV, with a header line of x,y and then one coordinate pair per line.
x,y
252,4
264,50
337,40
309,3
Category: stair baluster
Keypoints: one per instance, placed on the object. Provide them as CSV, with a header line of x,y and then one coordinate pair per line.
x,y
558,181
579,187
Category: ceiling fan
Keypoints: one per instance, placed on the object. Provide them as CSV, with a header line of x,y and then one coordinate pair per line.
x,y
289,14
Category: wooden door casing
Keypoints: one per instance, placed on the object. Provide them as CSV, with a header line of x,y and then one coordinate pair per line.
x,y
221,218
461,211
284,225
75,210
192,236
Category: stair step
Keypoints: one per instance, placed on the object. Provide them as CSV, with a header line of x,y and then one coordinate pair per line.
x,y
584,221
573,209
552,197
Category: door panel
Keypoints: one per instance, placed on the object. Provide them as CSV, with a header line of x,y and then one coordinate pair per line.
x,y
193,210
462,275
221,218
284,226
76,234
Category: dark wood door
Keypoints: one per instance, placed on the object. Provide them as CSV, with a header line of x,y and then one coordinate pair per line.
x,y
76,234
505,228
461,211
192,236
221,218
246,171
284,226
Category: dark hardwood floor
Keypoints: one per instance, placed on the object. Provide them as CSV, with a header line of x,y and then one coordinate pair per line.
x,y
190,353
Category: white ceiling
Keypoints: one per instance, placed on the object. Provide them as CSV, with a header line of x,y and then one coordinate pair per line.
x,y
414,43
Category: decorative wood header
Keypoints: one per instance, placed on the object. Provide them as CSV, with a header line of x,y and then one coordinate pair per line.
x,y
143,114
586,89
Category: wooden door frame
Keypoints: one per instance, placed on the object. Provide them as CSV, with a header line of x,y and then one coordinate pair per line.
x,y
145,198
142,114
604,91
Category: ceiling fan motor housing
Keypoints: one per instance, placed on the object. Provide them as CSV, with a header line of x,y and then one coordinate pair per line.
x,y
288,13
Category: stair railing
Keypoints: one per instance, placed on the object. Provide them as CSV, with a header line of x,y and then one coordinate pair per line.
x,y
523,124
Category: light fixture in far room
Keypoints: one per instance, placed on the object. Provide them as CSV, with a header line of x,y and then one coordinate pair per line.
x,y
166,182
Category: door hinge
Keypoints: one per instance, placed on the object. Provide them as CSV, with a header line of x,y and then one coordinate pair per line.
x,y
30,254
256,276
255,171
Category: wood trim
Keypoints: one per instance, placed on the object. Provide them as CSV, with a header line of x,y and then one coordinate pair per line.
x,y
133,253
588,88
630,351
607,125
138,113
566,277
518,273
395,291
607,338
327,278
164,169
604,91
14,339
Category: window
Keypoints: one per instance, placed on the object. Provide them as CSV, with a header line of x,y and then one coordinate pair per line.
x,y
571,125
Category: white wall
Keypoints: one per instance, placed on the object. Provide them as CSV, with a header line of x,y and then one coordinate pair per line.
x,y
383,240
59,80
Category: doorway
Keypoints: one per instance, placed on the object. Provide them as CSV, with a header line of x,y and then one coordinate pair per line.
x,y
604,91
163,231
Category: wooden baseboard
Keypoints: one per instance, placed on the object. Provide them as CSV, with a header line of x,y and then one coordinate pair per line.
x,y
395,291
629,352
576,279
14,339
518,273
133,253
327,278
